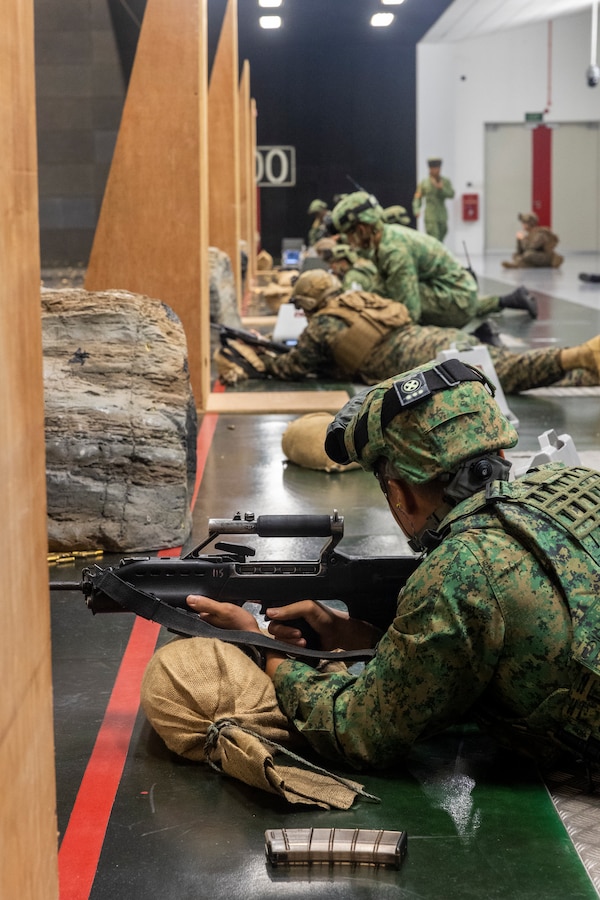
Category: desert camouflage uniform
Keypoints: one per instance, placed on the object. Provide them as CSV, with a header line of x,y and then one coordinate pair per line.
x,y
474,637
536,249
436,214
409,346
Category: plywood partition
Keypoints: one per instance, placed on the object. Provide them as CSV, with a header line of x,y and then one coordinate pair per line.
x,y
27,808
244,157
152,234
224,144
256,233
251,176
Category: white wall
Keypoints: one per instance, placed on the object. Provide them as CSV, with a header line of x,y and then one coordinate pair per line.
x,y
497,78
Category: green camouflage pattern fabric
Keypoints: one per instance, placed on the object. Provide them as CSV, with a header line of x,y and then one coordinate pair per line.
x,y
344,215
436,434
436,214
411,346
396,215
420,272
481,631
363,276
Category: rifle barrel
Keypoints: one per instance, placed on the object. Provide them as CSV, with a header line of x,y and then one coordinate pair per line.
x,y
65,585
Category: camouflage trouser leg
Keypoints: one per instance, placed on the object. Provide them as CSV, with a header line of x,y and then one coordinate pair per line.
x,y
447,306
436,226
487,305
523,371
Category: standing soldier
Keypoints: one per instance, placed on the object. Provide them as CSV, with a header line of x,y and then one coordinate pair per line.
x,y
434,190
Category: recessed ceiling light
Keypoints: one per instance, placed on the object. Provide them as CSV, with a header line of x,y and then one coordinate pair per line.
x,y
382,20
392,2
273,3
270,21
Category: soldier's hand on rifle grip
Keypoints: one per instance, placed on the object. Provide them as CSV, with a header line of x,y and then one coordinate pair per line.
x,y
222,615
335,629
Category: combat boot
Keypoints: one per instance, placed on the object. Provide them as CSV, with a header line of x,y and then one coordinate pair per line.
x,y
584,356
589,279
488,333
520,299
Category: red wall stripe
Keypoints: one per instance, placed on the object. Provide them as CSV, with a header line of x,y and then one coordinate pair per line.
x,y
84,835
541,202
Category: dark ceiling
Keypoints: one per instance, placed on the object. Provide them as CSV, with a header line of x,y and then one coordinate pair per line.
x,y
341,92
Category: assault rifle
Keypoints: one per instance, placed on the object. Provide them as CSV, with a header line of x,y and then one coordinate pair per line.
x,y
247,337
156,587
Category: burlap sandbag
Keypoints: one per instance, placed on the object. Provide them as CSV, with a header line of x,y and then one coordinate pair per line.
x,y
211,703
303,443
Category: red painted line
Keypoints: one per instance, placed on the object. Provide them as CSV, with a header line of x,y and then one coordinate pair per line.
x,y
84,836
82,843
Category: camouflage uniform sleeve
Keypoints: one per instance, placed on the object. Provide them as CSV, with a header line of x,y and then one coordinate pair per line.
x,y
447,189
311,355
433,663
401,280
417,200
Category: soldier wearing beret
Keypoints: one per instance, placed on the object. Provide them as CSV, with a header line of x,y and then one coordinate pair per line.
x,y
434,191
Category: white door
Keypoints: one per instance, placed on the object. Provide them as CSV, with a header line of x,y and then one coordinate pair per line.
x,y
575,184
508,180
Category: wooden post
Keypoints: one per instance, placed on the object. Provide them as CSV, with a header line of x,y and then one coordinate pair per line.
x,y
224,145
247,177
27,808
152,234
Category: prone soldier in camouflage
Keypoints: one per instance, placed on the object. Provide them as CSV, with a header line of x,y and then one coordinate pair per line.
x,y
434,191
417,269
500,622
360,336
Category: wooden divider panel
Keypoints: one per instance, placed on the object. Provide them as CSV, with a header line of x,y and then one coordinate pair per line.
x,y
224,145
27,809
246,170
152,235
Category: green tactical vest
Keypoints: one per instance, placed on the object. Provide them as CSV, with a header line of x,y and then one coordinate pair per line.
x,y
554,512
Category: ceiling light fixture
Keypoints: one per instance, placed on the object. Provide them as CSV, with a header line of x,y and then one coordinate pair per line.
x,y
273,3
382,20
392,2
270,21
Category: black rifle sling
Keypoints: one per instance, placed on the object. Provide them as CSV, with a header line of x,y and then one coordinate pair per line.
x,y
186,622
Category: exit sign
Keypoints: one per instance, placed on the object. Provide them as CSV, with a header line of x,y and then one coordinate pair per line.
x,y
534,117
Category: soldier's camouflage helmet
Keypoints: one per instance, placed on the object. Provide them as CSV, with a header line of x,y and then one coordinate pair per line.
x,y
529,219
396,215
316,206
312,289
434,162
324,246
343,251
355,208
426,422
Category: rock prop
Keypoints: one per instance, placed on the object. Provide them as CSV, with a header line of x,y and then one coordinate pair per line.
x,y
120,422
223,299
